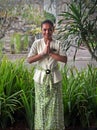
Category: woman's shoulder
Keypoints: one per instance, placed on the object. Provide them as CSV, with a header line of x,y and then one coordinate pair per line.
x,y
37,41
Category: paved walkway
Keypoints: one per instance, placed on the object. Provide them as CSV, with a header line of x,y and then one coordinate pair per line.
x,y
83,58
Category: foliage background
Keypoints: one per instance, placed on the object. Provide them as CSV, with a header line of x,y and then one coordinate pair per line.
x,y
17,95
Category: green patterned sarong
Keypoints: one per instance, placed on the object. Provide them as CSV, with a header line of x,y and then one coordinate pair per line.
x,y
49,107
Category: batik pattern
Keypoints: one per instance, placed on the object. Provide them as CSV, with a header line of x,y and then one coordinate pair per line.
x,y
49,107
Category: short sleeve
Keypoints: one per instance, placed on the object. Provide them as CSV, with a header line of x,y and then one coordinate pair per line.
x,y
33,50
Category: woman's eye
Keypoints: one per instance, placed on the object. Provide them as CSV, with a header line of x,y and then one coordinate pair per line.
x,y
44,30
47,30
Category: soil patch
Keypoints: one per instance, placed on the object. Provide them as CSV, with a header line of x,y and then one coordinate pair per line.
x,y
19,125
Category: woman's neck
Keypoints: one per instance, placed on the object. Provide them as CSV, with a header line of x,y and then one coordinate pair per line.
x,y
47,40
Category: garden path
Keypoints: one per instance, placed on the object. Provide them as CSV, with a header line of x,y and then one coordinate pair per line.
x,y
83,58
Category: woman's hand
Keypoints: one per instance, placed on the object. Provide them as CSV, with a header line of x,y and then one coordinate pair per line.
x,y
46,50
48,47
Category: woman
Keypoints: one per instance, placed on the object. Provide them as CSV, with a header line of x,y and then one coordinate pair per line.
x,y
48,89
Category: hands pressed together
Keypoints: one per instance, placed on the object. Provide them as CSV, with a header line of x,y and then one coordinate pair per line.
x,y
47,49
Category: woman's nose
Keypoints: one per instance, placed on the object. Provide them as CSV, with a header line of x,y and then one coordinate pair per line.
x,y
47,31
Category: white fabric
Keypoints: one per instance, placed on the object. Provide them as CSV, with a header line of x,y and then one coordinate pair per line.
x,y
47,62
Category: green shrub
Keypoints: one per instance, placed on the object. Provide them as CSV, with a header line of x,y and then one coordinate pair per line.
x,y
19,41
15,81
80,96
17,94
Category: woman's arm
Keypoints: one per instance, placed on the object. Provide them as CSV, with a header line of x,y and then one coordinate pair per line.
x,y
38,57
35,58
59,57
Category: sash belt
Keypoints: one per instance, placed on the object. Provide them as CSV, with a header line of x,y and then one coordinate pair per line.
x,y
48,78
47,71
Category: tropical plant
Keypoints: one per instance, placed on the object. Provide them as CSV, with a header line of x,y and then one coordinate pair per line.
x,y
80,96
8,106
17,94
28,103
16,81
19,42
80,24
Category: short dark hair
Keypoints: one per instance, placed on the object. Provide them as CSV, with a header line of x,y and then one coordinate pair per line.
x,y
47,21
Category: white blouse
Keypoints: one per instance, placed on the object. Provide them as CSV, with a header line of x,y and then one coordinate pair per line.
x,y
47,62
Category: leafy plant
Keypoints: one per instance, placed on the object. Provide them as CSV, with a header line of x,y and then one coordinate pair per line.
x,y
80,96
17,94
80,25
15,80
20,42
8,106
28,103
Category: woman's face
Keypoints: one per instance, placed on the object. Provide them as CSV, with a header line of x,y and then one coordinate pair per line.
x,y
47,31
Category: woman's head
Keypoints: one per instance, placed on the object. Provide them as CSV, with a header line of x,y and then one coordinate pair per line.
x,y
47,28
47,22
